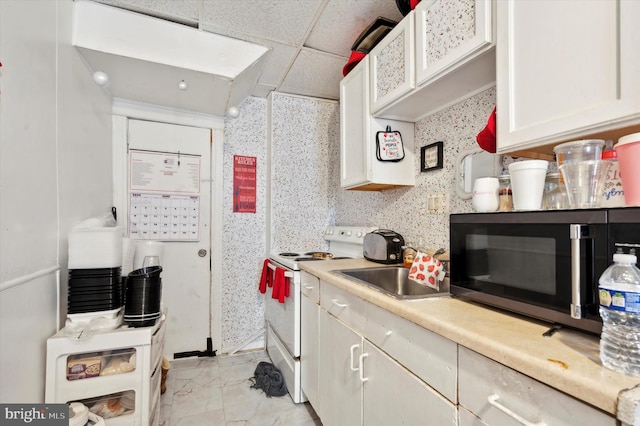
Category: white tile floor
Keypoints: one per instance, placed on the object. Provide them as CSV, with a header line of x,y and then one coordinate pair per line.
x,y
217,391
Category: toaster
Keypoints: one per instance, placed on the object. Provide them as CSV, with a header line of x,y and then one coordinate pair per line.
x,y
383,246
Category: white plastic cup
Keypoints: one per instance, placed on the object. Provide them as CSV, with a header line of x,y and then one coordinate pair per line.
x,y
146,248
527,183
485,197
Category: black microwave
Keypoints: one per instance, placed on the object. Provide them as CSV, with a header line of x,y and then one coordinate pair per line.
x,y
543,264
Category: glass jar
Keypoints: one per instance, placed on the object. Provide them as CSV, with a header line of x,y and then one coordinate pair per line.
x,y
504,191
555,193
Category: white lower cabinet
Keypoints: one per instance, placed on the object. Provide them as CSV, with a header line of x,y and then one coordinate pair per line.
x,y
394,396
376,368
340,385
467,418
309,367
359,383
499,395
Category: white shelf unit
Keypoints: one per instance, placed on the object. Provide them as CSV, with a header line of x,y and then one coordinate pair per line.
x,y
143,380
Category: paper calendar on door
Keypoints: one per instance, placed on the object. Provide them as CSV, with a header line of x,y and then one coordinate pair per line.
x,y
164,196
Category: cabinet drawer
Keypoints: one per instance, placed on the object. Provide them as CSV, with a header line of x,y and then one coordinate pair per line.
x,y
429,356
499,395
343,305
310,286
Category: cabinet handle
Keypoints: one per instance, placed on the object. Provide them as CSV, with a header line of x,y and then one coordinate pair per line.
x,y
308,287
493,400
361,367
351,363
339,305
577,232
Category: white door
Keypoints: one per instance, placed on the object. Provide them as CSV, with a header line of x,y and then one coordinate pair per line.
x,y
186,274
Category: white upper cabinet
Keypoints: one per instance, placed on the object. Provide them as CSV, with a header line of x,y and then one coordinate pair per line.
x,y
565,70
393,65
448,33
452,57
359,167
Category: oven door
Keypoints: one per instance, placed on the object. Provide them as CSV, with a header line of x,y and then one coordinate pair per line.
x,y
544,264
284,318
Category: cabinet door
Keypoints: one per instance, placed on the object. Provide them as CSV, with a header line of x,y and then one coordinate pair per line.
x,y
393,65
309,350
466,418
340,386
355,157
502,396
394,396
564,71
448,33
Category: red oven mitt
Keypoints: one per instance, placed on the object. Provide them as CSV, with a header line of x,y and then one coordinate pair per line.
x,y
280,285
266,278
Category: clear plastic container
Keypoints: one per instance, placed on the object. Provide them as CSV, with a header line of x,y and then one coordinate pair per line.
x,y
619,292
555,193
506,197
585,150
612,192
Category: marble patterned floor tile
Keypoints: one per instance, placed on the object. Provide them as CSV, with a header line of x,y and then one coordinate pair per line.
x,y
213,418
217,391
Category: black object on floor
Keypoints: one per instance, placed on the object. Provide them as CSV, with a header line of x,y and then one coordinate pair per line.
x,y
269,378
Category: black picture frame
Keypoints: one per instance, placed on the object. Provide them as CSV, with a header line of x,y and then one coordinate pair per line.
x,y
432,157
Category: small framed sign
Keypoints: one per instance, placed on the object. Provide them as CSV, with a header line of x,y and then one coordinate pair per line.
x,y
431,157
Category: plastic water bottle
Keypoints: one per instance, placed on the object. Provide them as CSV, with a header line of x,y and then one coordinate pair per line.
x,y
619,293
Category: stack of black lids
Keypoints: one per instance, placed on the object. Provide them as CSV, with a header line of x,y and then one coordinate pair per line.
x,y
94,290
143,296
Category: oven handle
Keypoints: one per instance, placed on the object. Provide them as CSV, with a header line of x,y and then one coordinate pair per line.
x,y
287,273
577,232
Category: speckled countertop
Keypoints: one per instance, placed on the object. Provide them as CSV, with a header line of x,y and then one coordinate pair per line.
x,y
568,361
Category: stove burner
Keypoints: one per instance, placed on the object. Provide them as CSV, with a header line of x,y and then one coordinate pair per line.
x,y
305,259
319,254
285,254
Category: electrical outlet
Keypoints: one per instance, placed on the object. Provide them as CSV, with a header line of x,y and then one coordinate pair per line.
x,y
438,203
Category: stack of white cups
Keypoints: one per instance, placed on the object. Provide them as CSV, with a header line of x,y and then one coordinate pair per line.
x,y
527,183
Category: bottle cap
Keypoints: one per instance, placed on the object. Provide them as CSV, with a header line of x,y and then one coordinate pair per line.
x,y
624,258
609,155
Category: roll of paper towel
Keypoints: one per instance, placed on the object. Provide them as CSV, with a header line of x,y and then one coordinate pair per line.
x,y
147,248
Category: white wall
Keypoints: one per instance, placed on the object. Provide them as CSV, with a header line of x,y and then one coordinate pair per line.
x,y
55,158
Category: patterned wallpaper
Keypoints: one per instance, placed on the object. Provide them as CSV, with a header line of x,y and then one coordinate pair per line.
x,y
404,209
243,239
306,196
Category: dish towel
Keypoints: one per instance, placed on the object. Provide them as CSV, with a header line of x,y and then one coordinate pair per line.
x,y
280,285
269,378
427,270
266,279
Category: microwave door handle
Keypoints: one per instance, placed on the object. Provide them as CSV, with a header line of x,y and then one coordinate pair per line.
x,y
577,232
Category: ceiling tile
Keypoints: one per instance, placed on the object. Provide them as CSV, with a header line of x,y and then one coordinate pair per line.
x,y
315,74
278,61
284,21
186,11
342,22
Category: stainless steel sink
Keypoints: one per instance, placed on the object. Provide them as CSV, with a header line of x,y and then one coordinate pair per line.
x,y
393,281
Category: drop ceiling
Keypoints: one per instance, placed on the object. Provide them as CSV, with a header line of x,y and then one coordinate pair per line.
x,y
309,41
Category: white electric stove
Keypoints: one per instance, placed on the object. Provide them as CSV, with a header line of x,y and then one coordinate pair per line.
x,y
283,319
